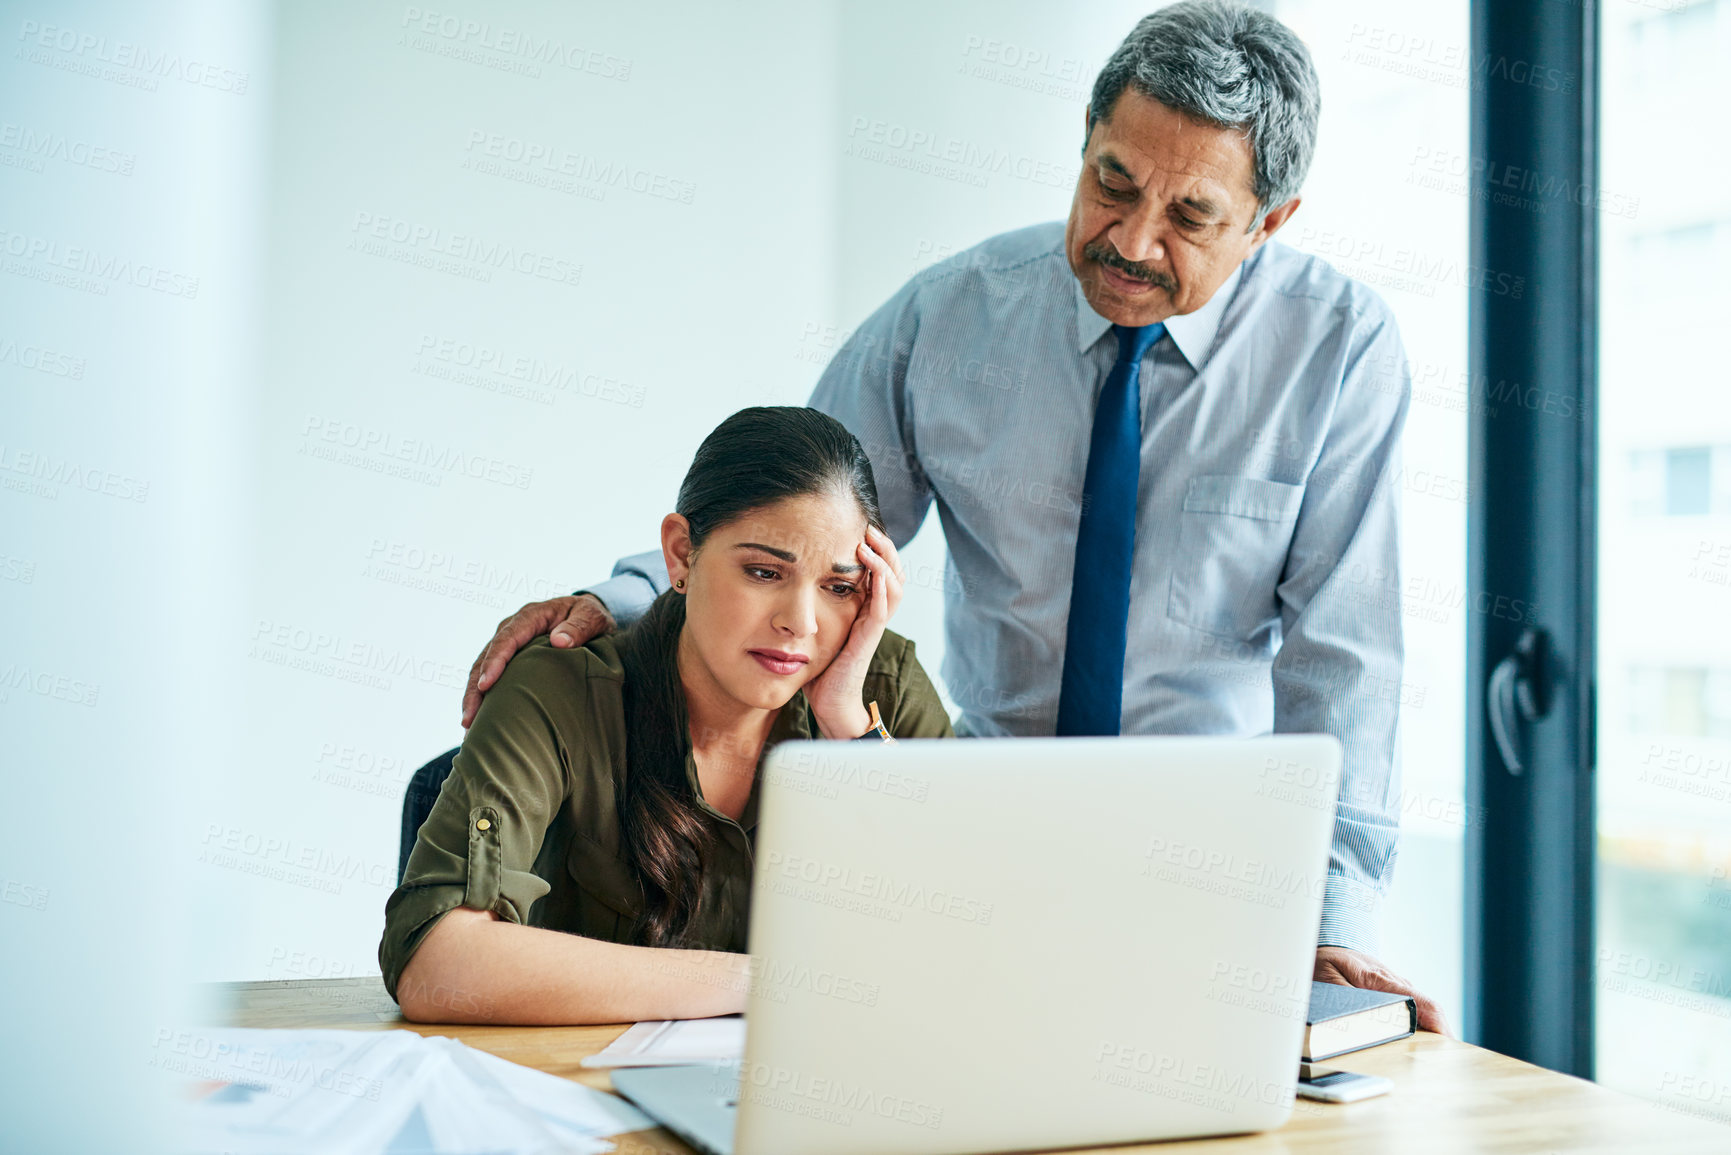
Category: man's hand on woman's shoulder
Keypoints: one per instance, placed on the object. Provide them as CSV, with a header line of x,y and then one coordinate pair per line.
x,y
572,621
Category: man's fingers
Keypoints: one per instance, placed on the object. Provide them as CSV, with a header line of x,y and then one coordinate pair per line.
x,y
1357,969
1431,1017
480,680
571,630
586,620
1377,979
495,657
487,669
1327,972
512,635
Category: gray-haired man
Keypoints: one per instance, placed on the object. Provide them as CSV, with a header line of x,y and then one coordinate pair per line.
x,y
1237,567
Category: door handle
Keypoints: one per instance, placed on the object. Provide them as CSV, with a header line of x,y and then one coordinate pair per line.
x,y
1519,689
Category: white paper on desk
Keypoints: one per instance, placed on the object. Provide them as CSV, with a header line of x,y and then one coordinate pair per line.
x,y
572,1106
385,1093
348,1092
673,1042
470,1110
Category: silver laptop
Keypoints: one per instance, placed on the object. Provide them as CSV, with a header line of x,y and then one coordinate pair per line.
x,y
992,945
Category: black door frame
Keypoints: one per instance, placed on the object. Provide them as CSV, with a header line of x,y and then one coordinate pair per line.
x,y
1533,339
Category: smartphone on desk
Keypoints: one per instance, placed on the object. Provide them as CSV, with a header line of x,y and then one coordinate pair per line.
x,y
1331,1086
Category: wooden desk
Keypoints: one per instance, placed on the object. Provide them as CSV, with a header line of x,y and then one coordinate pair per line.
x,y
1448,1097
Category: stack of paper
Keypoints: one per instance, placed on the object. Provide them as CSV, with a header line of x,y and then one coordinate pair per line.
x,y
383,1093
673,1042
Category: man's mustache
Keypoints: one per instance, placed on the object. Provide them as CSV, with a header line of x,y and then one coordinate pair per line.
x,y
1110,257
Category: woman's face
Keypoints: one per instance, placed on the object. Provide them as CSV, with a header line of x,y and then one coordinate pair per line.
x,y
771,597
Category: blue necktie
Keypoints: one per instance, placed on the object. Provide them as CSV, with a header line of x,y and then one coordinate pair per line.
x,y
1091,698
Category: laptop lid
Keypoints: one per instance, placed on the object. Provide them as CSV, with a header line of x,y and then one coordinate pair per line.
x,y
988,945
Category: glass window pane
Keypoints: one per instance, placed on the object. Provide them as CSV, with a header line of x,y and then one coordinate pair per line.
x,y
1664,636
1686,486
1647,483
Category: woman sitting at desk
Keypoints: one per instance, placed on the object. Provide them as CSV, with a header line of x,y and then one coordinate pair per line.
x,y
589,858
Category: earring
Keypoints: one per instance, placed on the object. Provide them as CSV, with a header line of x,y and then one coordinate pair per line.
x,y
680,584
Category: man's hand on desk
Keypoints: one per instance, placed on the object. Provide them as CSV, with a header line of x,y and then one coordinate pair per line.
x,y
572,621
1351,968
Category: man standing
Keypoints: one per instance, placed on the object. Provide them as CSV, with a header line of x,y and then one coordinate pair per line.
x,y
1165,452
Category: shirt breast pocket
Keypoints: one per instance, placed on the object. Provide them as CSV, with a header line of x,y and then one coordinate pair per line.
x,y
610,899
1233,537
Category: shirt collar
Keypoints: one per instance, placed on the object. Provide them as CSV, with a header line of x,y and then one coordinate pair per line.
x,y
1192,332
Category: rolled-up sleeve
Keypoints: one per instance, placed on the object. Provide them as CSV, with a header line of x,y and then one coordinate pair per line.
x,y
478,846
1339,668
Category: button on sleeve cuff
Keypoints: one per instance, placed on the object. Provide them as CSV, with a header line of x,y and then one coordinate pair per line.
x,y
487,885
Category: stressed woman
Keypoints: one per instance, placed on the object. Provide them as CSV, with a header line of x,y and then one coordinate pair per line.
x,y
589,858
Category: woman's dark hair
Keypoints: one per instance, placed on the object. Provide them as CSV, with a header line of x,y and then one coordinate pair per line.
x,y
755,458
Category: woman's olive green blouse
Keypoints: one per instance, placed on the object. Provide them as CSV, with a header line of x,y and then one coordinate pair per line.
x,y
527,825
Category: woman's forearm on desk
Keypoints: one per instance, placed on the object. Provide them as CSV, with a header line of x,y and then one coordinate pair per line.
x,y
474,967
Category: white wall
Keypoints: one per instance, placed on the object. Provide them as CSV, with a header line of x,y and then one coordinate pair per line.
x,y
398,512
683,312
322,598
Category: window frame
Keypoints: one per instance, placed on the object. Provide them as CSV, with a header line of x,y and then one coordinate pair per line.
x,y
1530,860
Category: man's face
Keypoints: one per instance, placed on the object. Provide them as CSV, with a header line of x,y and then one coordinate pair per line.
x,y
1161,212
